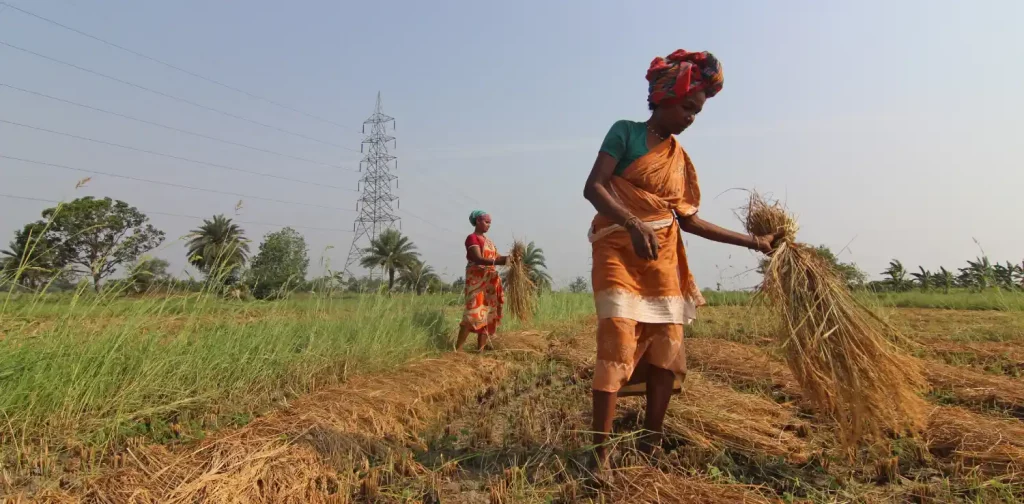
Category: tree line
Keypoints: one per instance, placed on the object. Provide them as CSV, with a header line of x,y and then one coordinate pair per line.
x,y
89,239
977,275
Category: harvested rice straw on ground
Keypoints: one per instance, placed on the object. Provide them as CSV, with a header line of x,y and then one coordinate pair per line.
x,y
520,291
969,387
842,355
991,444
635,485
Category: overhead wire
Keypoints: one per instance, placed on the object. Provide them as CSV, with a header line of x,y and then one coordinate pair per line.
x,y
172,184
173,97
171,66
172,128
188,102
169,156
168,214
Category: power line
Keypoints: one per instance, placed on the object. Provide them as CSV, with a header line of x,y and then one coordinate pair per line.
x,y
171,184
168,65
172,97
421,219
172,128
255,223
170,156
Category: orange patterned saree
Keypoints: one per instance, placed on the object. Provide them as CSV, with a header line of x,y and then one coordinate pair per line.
x,y
642,305
484,294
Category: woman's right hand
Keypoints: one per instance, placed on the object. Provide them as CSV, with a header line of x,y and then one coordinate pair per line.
x,y
645,239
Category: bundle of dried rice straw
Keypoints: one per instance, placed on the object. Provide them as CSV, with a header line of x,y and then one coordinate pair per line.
x,y
844,357
520,291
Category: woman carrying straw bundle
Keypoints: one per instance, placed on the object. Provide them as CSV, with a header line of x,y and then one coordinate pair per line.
x,y
645,190
484,295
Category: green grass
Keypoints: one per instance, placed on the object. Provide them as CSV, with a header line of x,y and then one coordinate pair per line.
x,y
728,298
103,368
992,299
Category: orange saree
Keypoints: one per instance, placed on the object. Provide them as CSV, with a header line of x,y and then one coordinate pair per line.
x,y
484,294
642,305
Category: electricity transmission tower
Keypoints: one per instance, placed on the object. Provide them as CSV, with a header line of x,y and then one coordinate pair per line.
x,y
377,203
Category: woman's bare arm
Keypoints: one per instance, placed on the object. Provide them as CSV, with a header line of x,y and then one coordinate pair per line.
x,y
645,241
597,193
704,229
476,258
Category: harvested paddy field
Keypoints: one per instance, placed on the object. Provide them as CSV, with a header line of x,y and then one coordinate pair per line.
x,y
512,425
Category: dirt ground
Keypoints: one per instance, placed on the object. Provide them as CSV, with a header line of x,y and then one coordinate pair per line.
x,y
511,426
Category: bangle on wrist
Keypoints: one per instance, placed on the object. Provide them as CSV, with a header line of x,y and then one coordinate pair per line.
x,y
632,222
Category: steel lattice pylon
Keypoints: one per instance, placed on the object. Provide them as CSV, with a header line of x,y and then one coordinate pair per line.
x,y
377,204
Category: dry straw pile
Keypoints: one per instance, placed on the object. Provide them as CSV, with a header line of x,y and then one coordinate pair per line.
x,y
520,291
842,355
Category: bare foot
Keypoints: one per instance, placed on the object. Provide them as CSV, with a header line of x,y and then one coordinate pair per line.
x,y
598,466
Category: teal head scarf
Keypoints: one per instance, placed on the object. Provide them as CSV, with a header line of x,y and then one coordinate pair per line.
x,y
476,214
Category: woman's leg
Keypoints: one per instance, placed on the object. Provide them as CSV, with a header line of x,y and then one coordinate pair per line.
x,y
604,413
463,334
616,346
481,341
659,392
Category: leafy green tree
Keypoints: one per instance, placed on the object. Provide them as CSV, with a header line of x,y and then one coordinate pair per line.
x,y
363,284
436,285
391,252
945,278
923,278
218,248
850,273
417,276
579,285
32,260
147,272
897,276
282,261
96,236
326,284
853,275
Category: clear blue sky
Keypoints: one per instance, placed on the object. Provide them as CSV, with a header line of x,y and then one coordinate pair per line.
x,y
892,126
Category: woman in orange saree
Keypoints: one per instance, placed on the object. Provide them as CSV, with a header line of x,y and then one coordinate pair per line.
x,y
484,294
645,191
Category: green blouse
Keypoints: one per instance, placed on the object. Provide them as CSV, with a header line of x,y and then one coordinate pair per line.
x,y
626,141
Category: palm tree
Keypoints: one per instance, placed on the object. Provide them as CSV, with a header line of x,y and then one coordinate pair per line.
x,y
924,278
391,252
980,272
944,277
537,265
417,276
218,247
1006,275
897,275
